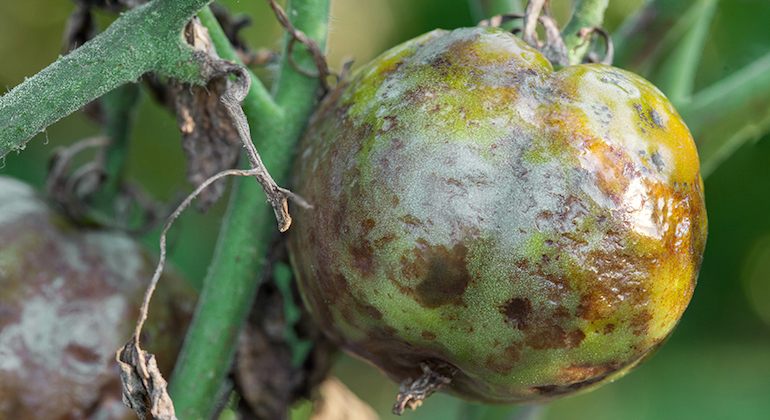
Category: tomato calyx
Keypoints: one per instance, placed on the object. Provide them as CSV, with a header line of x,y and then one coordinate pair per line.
x,y
554,47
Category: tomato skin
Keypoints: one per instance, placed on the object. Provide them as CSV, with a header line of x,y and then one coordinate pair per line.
x,y
70,299
539,231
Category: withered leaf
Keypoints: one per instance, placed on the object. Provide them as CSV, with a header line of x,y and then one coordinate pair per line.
x,y
144,389
266,378
209,139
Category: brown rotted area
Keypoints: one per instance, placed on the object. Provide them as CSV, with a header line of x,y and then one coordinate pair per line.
x,y
441,274
543,328
505,362
576,377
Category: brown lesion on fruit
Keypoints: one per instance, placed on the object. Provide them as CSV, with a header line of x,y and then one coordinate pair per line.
x,y
516,312
542,328
410,220
362,250
428,335
505,362
553,337
575,377
640,323
442,274
389,123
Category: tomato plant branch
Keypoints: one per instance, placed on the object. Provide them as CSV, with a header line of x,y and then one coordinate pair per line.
x,y
119,106
147,38
247,230
587,13
258,101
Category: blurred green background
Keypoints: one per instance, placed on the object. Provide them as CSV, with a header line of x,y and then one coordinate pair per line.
x,y
716,365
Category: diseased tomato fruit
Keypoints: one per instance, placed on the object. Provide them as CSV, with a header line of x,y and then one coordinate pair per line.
x,y
69,299
539,232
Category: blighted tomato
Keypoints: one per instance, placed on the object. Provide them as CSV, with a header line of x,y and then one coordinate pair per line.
x,y
537,231
69,299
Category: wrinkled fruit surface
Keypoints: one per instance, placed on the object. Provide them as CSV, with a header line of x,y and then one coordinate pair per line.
x,y
69,299
539,231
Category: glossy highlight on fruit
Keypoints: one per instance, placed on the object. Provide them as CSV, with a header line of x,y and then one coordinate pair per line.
x,y
539,232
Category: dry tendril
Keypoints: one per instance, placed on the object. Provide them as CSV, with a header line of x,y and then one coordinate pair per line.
x,y
144,388
323,71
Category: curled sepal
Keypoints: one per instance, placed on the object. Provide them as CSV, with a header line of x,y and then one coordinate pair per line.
x,y
413,392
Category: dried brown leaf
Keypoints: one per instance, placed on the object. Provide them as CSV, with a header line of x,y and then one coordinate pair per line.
x,y
144,389
266,378
209,139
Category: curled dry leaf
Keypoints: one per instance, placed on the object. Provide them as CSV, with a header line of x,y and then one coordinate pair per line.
x,y
144,389
209,139
414,392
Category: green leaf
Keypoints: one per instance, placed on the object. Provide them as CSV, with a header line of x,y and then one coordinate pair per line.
x,y
484,9
487,412
677,72
729,113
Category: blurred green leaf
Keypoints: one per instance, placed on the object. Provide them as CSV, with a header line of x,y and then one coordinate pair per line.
x,y
487,412
677,72
733,111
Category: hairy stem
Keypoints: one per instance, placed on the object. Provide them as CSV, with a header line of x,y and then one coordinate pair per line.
x,y
587,13
233,276
119,108
258,100
147,38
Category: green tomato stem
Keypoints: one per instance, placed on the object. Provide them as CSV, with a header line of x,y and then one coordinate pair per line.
x,y
147,38
119,108
587,13
258,100
247,231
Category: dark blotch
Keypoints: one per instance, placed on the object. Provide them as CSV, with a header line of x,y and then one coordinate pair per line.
x,y
373,312
363,258
657,159
446,276
554,337
82,354
609,328
641,322
363,251
428,335
505,362
545,389
516,311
